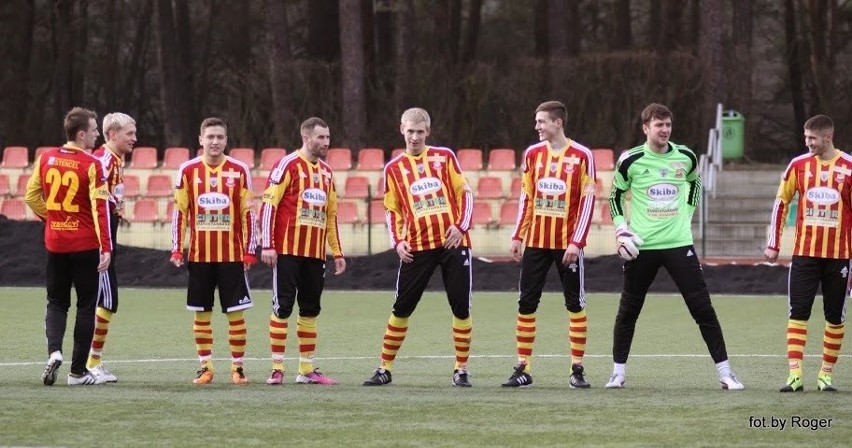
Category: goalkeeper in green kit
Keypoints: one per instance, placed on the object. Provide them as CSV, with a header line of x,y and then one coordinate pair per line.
x,y
664,185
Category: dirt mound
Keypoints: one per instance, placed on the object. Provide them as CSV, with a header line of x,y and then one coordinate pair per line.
x,y
24,260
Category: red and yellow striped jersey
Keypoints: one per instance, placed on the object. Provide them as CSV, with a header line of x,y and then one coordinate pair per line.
x,y
425,195
215,202
824,216
557,196
114,171
299,210
68,191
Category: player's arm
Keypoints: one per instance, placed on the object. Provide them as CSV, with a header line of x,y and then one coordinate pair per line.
x,y
463,194
585,203
35,195
780,209
332,230
693,179
525,209
276,184
395,217
179,216
620,187
249,221
99,198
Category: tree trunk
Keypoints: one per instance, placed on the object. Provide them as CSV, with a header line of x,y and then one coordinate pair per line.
x,y
352,73
279,57
557,27
794,63
655,26
743,19
63,37
819,31
622,35
403,53
323,37
542,44
20,19
384,36
710,52
573,39
471,35
175,100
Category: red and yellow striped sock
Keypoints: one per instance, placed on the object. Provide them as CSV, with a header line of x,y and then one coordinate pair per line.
x,y
797,336
236,338
832,340
577,329
277,341
203,331
103,317
462,333
306,330
392,341
525,338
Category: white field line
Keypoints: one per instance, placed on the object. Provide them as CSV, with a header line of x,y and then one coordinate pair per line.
x,y
362,358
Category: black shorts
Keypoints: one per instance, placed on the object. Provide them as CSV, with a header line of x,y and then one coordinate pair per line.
x,y
456,270
297,279
535,264
806,274
108,281
230,278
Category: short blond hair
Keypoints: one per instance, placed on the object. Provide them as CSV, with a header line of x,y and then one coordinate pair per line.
x,y
416,115
115,121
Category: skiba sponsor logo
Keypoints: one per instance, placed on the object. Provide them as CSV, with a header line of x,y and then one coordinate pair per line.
x,y
425,186
823,195
662,192
314,196
213,201
551,185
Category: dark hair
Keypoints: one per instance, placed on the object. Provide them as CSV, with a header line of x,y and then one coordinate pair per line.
x,y
819,123
76,120
555,109
213,121
655,111
309,124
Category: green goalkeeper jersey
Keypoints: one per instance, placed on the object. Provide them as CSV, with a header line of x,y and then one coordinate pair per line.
x,y
664,191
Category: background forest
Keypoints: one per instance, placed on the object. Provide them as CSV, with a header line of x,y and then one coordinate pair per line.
x,y
479,66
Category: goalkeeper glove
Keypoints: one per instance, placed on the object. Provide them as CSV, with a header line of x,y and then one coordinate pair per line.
x,y
628,243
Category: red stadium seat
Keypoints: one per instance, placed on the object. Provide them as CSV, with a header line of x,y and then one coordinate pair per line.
x,y
15,209
174,157
606,217
145,210
380,188
501,159
270,156
347,213
339,159
482,214
377,211
509,213
371,159
5,187
21,187
357,187
170,208
132,186
245,155
489,187
470,159
515,192
258,184
15,157
396,152
143,157
604,160
159,186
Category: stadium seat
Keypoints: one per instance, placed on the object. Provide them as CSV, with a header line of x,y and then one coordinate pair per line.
x,y
339,159
377,211
245,155
482,214
5,187
396,152
258,184
371,159
15,157
145,210
606,217
470,159
132,186
347,213
199,152
515,191
174,157
380,187
143,157
603,184
41,150
604,159
508,213
501,159
21,186
159,186
170,208
270,156
489,187
357,187
15,209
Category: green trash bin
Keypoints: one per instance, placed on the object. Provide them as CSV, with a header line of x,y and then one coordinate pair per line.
x,y
733,135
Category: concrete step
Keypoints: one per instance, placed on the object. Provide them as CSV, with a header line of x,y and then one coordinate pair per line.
x,y
731,247
748,183
734,231
730,203
746,217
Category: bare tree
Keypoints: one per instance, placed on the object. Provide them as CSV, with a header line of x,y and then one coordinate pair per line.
x,y
279,57
471,34
821,23
622,35
16,67
743,11
175,96
557,27
542,38
403,52
794,62
710,52
354,98
323,37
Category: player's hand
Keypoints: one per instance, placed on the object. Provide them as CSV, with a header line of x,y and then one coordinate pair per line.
x,y
104,264
628,243
403,249
176,259
269,256
339,265
249,260
516,249
771,255
454,236
572,254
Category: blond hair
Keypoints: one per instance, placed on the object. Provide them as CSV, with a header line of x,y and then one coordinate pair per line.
x,y
416,115
115,121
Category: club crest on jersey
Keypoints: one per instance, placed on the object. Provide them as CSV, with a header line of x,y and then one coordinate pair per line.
x,y
315,177
552,167
229,182
823,176
569,168
664,172
839,178
436,166
214,181
680,173
421,169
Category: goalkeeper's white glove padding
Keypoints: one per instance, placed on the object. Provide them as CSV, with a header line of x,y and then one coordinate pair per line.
x,y
628,243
